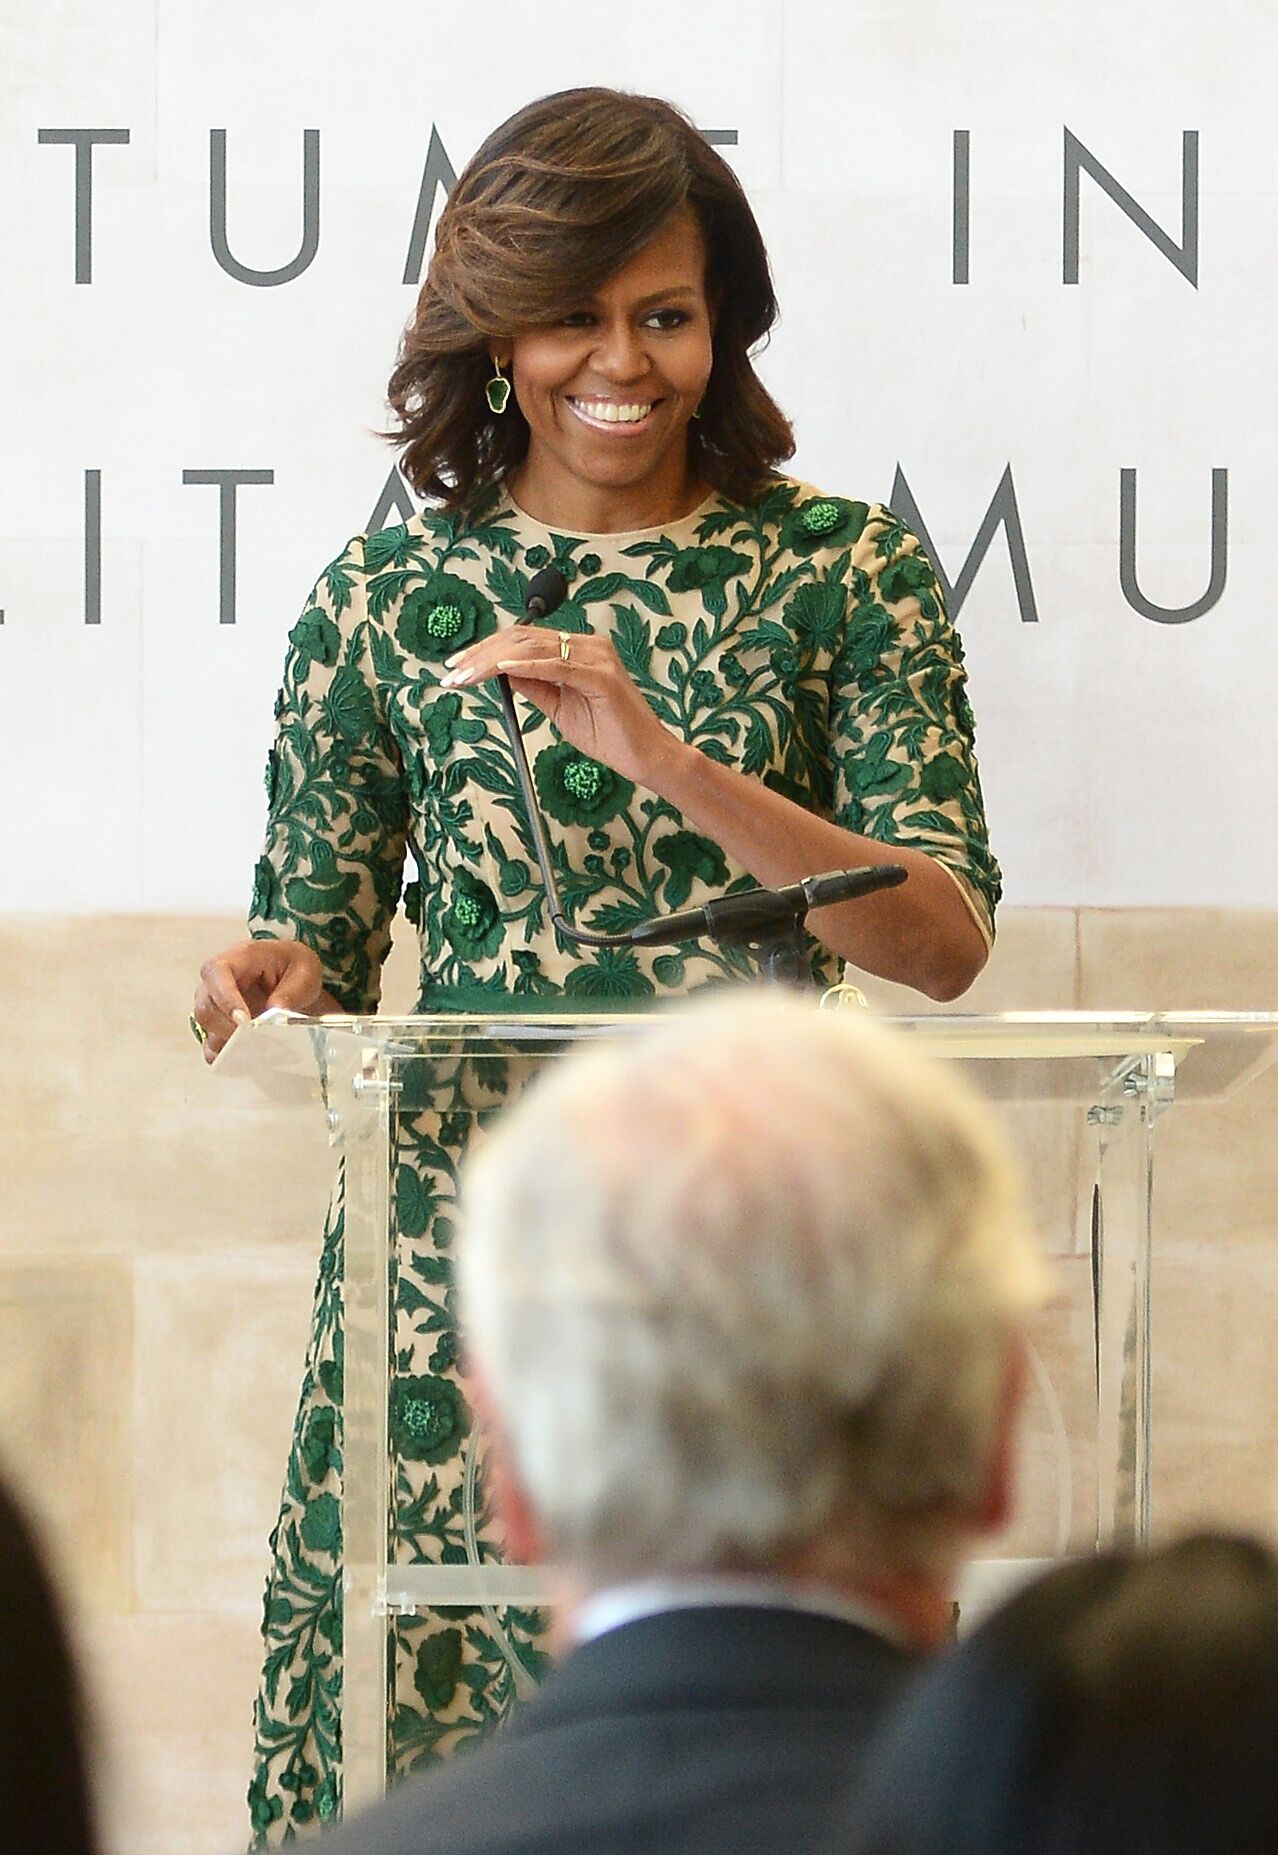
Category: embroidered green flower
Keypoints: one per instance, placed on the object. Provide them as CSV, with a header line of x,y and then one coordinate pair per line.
x,y
577,790
672,637
315,639
331,1372
689,858
613,973
428,1418
266,890
329,1622
263,1808
439,1664
349,707
442,724
911,576
943,777
704,567
322,1524
873,633
472,921
378,798
414,1204
816,613
536,557
514,876
420,773
319,1443
590,563
327,890
443,616
872,772
446,1353
825,521
530,980
389,547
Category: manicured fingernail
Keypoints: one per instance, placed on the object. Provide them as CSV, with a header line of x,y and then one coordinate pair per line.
x,y
239,1016
450,661
455,677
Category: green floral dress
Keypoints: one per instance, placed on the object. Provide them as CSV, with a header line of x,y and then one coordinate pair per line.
x,y
802,639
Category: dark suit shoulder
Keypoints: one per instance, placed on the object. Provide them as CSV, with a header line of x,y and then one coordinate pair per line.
x,y
692,1731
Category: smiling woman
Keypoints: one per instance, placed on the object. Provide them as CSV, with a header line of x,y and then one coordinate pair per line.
x,y
754,681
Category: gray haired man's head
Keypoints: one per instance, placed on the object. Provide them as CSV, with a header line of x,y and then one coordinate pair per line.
x,y
739,1278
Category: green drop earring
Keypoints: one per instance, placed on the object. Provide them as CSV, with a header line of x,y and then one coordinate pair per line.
x,y
497,390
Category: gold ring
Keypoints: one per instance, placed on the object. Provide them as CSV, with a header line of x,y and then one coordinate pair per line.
x,y
198,1031
565,647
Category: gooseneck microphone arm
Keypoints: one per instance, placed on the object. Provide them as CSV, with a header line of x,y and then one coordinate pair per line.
x,y
547,591
767,921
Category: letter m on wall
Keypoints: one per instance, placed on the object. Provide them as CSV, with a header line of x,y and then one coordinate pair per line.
x,y
1002,513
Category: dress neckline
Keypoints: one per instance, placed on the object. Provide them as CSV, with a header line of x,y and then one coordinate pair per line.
x,y
612,537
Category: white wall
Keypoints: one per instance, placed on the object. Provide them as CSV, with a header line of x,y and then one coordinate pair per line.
x,y
1127,762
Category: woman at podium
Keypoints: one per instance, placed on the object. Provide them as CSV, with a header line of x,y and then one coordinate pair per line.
x,y
749,680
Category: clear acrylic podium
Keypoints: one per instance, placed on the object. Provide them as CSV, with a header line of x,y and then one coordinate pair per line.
x,y
1120,1072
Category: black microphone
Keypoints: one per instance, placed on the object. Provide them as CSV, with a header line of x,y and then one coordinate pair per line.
x,y
759,912
547,591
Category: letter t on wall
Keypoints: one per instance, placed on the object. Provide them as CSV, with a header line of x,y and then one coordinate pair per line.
x,y
83,141
228,481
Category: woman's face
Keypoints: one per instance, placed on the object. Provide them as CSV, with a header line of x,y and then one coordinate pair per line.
x,y
609,389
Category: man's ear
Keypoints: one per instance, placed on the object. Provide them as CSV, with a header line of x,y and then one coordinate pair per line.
x,y
511,1507
994,1507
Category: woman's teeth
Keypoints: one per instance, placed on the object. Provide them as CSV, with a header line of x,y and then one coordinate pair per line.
x,y
610,411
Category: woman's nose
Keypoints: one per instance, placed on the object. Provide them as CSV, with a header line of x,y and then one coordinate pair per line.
x,y
620,354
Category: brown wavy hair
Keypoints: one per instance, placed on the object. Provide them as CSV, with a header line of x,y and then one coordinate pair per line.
x,y
554,203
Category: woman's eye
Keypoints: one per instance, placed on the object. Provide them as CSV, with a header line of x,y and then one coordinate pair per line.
x,y
667,318
579,318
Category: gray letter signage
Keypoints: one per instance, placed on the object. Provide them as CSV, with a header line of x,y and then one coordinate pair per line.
x,y
243,273
1170,614
1183,255
83,141
228,481
1003,513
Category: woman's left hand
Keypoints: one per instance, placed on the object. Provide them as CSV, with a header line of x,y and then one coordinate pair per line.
x,y
578,682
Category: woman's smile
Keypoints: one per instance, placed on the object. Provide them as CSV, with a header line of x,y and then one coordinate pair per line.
x,y
621,418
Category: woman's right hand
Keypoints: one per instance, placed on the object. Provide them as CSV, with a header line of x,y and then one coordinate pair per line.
x,y
251,977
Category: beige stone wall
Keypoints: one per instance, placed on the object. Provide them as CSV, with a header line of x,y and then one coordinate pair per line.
x,y
157,1248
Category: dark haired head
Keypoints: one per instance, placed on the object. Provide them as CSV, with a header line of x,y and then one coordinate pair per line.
x,y
1121,1706
44,1788
556,201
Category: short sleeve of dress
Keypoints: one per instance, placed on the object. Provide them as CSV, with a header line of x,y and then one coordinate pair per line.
x,y
901,725
337,820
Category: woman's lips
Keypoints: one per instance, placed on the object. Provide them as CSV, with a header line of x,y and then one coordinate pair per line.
x,y
622,423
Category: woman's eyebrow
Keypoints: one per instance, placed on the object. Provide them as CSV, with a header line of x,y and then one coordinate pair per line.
x,y
659,296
